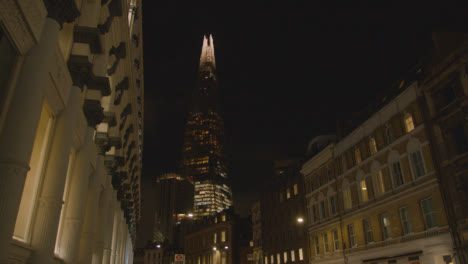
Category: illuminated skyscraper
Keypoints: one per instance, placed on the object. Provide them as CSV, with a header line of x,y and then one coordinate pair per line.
x,y
203,153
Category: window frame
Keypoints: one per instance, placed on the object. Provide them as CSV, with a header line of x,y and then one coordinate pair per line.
x,y
332,205
347,198
317,245
326,247
351,235
432,213
414,164
378,184
368,232
407,220
336,240
362,191
394,176
386,229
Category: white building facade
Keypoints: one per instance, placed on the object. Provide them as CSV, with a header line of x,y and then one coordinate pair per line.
x,y
71,123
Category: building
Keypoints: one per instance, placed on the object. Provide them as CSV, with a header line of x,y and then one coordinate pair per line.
x,y
203,153
174,200
257,233
373,196
71,125
445,90
283,216
212,240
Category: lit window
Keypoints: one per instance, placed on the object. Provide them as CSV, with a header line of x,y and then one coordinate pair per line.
x,y
288,193
429,213
357,155
293,257
301,256
311,185
409,124
223,236
405,220
278,258
223,218
417,163
363,188
336,242
325,243
272,259
385,223
347,198
372,145
397,174
214,238
266,260
331,200
368,234
295,189
285,256
322,209
379,184
351,235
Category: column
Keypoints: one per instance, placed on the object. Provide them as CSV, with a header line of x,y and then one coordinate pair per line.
x,y
45,226
106,259
101,230
75,204
17,137
89,223
115,232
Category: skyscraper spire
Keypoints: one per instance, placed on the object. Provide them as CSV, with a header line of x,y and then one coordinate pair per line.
x,y
207,54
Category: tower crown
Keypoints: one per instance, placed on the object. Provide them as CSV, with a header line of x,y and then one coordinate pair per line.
x,y
207,55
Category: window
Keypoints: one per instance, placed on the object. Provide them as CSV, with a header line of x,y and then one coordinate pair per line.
x,y
357,155
405,220
272,259
397,174
278,258
214,238
288,193
317,247
409,125
266,260
372,145
325,243
301,256
281,197
322,209
331,200
223,218
390,135
417,164
223,236
351,235
329,175
314,212
385,223
296,191
347,198
368,234
336,242
428,212
379,183
285,257
293,257
363,190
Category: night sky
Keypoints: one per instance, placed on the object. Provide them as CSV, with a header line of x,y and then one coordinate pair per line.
x,y
286,73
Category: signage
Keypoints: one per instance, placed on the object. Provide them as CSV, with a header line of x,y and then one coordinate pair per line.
x,y
179,258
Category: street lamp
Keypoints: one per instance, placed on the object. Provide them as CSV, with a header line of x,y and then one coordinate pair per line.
x,y
190,215
300,220
214,248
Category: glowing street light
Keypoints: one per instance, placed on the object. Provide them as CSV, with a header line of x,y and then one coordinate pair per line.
x,y
226,248
214,249
190,215
158,246
300,220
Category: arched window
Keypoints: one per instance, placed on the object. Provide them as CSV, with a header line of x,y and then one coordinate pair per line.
x,y
362,186
346,194
409,124
357,155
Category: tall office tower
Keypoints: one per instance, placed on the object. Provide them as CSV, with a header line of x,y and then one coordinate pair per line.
x,y
174,200
203,153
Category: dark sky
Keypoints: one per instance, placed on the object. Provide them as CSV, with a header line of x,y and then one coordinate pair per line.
x,y
286,73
